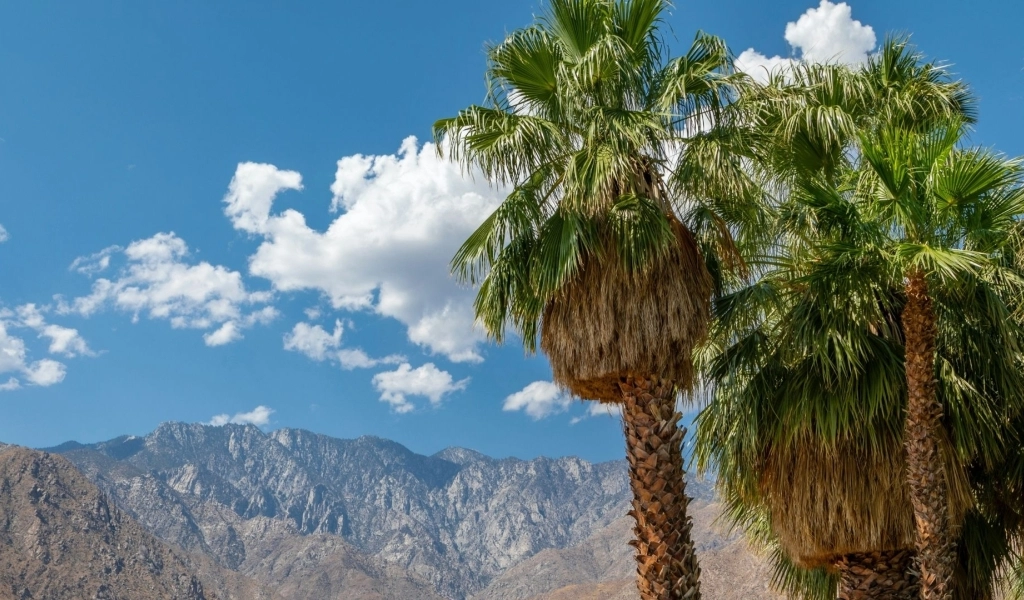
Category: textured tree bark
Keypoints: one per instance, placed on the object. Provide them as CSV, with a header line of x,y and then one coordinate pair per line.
x,y
936,554
667,566
883,575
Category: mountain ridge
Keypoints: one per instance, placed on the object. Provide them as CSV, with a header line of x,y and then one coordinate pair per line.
x,y
324,515
458,524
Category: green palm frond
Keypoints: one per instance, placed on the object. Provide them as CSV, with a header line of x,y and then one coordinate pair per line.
x,y
507,147
640,231
583,117
865,180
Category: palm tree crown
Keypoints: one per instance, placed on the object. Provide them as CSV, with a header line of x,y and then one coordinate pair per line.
x,y
582,116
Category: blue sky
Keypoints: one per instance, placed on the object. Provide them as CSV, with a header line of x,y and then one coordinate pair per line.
x,y
160,261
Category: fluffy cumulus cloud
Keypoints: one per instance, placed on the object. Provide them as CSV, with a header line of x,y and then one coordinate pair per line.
x,y
318,344
3,235
540,399
826,33
45,372
259,416
159,281
402,217
15,366
251,194
312,340
428,381
63,340
14,359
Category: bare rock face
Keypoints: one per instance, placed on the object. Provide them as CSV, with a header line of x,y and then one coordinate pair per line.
x,y
310,516
457,519
60,538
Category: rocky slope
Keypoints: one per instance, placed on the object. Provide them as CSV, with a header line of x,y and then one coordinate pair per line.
x,y
60,538
602,567
313,516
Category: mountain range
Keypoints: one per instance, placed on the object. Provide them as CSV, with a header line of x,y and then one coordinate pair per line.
x,y
297,514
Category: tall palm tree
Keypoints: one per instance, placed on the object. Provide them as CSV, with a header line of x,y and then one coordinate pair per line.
x,y
822,494
791,510
948,214
807,415
588,255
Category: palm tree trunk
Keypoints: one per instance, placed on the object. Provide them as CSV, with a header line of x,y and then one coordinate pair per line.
x,y
926,476
666,561
883,575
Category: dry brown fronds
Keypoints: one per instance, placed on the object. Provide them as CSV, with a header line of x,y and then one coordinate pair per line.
x,y
848,498
831,501
609,323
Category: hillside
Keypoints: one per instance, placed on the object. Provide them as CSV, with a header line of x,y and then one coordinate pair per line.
x,y
61,538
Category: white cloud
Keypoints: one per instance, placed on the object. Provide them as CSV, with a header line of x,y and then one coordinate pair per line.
x,y
3,235
313,340
313,313
158,280
428,381
12,351
355,358
259,416
829,32
598,409
540,399
14,359
251,194
63,340
402,218
825,33
94,263
759,66
225,334
45,372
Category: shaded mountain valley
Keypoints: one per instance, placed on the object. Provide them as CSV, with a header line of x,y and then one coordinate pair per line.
x,y
234,512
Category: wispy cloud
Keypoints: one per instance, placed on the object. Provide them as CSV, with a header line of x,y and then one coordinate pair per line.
x,y
94,263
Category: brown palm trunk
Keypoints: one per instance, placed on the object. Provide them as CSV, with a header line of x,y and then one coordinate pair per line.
x,y
883,575
936,554
666,561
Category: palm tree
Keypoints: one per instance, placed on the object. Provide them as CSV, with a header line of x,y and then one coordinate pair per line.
x,y
819,494
588,254
807,358
949,214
